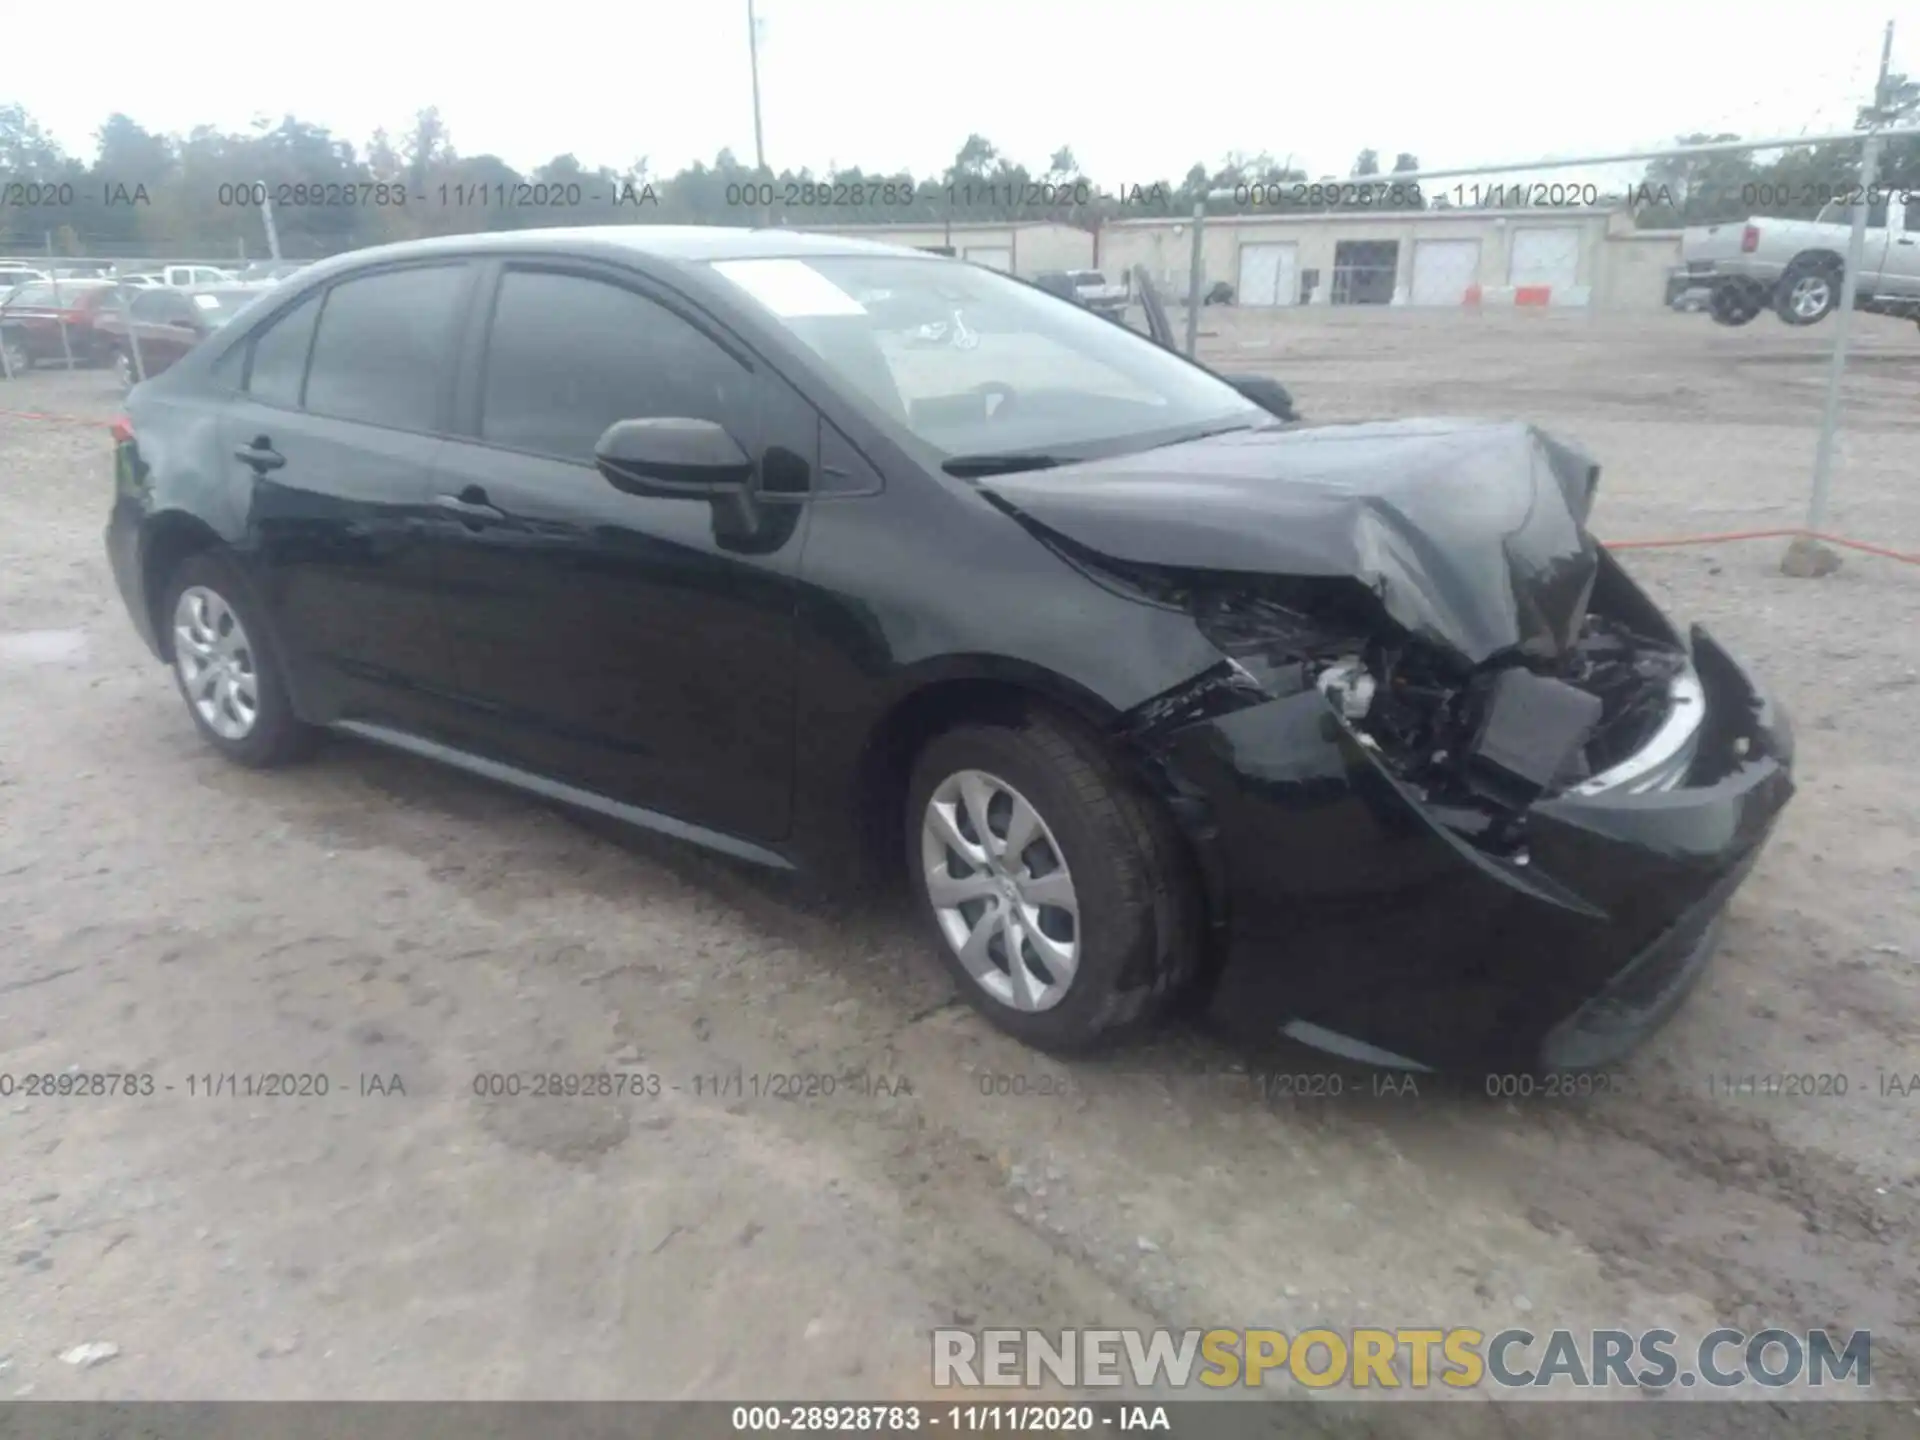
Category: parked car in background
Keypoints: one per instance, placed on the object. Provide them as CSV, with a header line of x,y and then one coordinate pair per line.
x,y
190,276
1089,287
1795,267
32,317
14,276
141,281
167,323
1353,731
268,271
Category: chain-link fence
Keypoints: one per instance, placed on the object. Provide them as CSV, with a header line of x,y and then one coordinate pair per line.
x,y
1713,363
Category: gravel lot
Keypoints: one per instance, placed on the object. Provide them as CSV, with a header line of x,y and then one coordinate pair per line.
x,y
369,915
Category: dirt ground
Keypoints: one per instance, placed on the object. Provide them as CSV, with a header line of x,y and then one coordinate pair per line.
x,y
368,915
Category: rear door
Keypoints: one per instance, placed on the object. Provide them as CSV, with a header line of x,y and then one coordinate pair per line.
x,y
344,396
634,646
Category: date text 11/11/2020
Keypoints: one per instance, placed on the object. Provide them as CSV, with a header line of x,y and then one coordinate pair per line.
x,y
458,195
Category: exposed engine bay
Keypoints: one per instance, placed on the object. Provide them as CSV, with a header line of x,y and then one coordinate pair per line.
x,y
1477,742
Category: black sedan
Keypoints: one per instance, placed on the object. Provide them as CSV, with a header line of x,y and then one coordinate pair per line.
x,y
1351,731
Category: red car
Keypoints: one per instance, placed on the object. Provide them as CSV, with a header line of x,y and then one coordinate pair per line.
x,y
167,323
31,318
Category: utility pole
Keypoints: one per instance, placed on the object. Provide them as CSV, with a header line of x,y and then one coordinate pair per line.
x,y
759,142
266,214
1806,557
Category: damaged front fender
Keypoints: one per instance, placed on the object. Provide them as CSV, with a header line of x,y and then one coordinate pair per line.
x,y
1353,906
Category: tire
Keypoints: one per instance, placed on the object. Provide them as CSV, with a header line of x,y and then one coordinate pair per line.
x,y
206,596
1735,302
1809,290
123,369
1135,935
18,361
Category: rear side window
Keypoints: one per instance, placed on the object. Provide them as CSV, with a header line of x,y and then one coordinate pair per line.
x,y
383,346
567,356
279,361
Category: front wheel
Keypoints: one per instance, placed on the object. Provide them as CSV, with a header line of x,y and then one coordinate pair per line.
x,y
1061,897
124,370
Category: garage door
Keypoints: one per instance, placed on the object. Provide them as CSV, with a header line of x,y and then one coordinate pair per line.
x,y
995,257
1443,269
1545,257
1269,275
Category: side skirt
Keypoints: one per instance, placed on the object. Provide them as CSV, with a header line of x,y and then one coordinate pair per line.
x,y
565,794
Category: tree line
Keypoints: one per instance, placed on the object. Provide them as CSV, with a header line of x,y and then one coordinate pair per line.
x,y
145,193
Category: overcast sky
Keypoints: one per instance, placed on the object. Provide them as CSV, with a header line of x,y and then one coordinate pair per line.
x,y
1138,92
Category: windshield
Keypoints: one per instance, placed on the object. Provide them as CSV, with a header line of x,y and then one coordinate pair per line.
x,y
970,363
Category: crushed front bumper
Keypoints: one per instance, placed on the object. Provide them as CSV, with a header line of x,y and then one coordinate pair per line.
x,y
1354,918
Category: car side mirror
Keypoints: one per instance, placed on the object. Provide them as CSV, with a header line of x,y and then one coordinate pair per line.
x,y
1266,392
675,457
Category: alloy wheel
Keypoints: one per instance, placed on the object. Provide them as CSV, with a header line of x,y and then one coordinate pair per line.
x,y
123,369
216,663
1001,890
1810,295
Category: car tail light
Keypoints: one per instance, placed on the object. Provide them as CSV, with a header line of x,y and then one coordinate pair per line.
x,y
122,430
1750,239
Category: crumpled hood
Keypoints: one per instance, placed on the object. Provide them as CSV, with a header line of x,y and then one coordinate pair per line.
x,y
1472,533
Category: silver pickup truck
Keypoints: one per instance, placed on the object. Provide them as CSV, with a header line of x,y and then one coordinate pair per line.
x,y
1089,287
1794,267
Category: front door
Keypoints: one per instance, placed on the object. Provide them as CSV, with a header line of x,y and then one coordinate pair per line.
x,y
637,647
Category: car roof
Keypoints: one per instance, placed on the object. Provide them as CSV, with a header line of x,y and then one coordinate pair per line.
x,y
685,244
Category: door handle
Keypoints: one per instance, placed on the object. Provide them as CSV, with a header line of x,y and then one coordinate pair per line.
x,y
260,455
472,506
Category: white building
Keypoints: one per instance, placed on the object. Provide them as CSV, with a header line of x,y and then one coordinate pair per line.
x,y
1019,247
1422,257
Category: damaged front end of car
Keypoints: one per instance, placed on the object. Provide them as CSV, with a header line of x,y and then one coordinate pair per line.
x,y
1451,819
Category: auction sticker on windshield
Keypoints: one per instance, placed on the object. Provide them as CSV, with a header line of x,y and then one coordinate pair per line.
x,y
791,289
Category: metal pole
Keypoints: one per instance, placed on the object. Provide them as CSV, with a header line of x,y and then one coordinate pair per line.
x,y
1842,326
759,142
1805,557
59,306
133,336
1196,272
266,214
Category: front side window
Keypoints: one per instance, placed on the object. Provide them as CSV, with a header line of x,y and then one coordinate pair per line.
x,y
567,356
968,362
383,346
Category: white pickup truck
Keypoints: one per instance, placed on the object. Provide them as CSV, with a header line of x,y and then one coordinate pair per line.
x,y
1088,287
1794,267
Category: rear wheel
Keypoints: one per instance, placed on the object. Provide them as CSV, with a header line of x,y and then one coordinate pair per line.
x,y
1061,897
18,361
1809,290
124,371
226,667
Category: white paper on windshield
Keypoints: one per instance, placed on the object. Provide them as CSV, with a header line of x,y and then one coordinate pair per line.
x,y
791,289
206,302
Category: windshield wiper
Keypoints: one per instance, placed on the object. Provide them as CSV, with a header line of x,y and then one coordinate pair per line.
x,y
970,466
